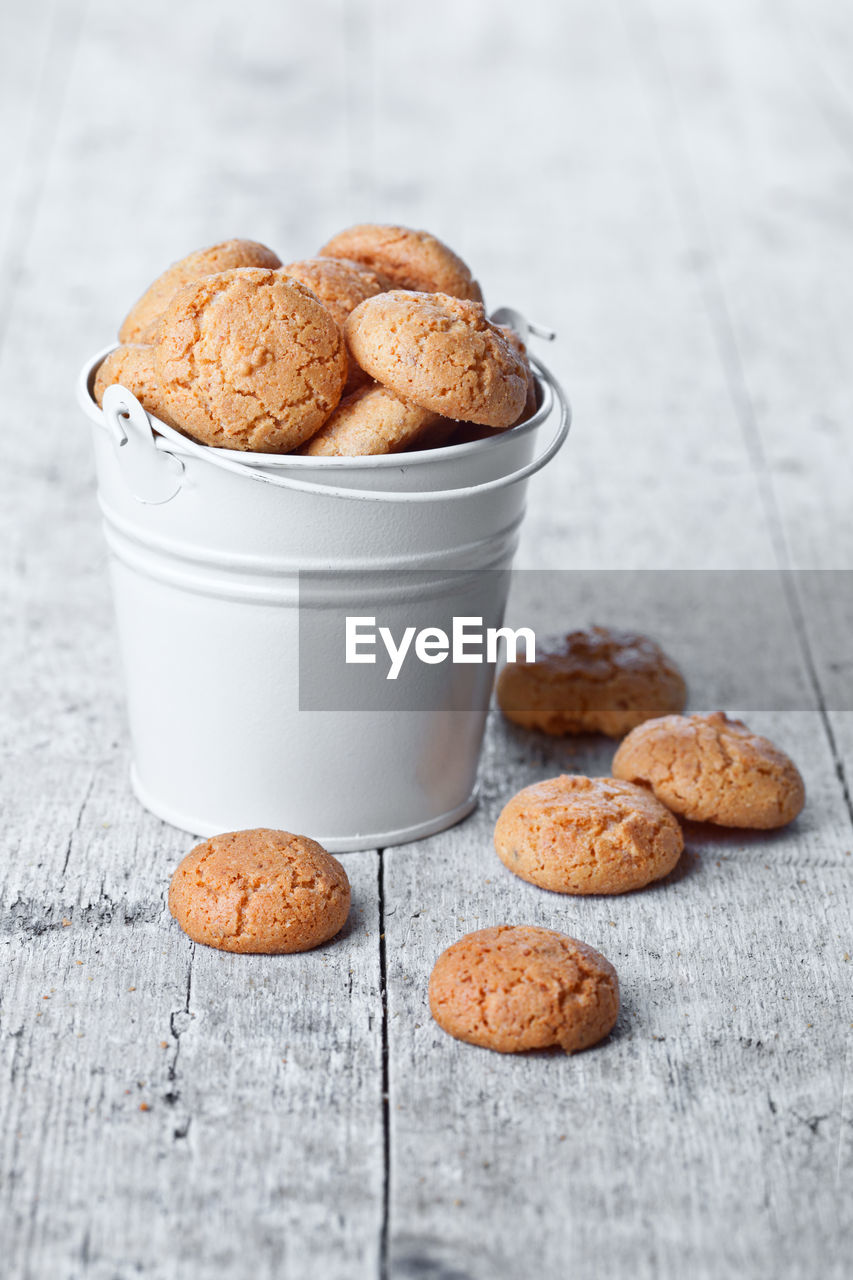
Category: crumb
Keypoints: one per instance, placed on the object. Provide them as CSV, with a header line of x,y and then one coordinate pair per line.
x,y
65,922
143,1106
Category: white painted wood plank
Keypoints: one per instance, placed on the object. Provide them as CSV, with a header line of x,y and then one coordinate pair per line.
x,y
167,1108
37,48
543,167
733,87
755,122
707,1135
244,1162
674,1159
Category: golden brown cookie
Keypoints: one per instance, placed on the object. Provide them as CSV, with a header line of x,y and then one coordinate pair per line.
x,y
517,987
595,681
709,768
371,420
441,353
260,891
531,403
408,259
141,323
248,359
133,366
587,835
340,285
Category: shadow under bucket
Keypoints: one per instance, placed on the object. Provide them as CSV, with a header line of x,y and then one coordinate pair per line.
x,y
208,549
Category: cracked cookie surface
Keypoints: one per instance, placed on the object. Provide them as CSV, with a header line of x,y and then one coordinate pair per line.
x,y
581,835
516,987
442,353
133,366
709,768
407,258
597,680
371,421
260,891
142,321
250,360
340,285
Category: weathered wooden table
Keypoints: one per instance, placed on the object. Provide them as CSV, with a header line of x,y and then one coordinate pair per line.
x,y
669,185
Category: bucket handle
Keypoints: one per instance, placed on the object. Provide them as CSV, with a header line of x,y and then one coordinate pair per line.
x,y
121,405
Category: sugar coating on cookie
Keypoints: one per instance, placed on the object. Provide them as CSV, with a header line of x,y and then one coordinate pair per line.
x,y
249,359
516,987
709,768
442,353
143,319
371,420
581,835
134,367
597,680
260,891
407,258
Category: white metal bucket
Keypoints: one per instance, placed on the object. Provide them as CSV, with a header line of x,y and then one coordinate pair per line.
x,y
206,548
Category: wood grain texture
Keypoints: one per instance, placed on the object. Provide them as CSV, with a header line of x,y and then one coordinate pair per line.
x,y
667,185
708,1135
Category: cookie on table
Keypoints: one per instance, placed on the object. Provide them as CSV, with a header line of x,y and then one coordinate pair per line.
x,y
408,259
140,325
598,680
133,366
516,987
583,835
370,421
260,891
709,768
248,359
442,353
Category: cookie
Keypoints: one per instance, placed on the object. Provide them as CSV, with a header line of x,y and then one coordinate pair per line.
x,y
408,259
141,322
442,354
133,366
371,420
340,286
709,768
248,359
531,402
595,681
260,891
587,835
516,987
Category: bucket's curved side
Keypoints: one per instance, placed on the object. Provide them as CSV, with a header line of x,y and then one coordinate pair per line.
x,y
206,590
